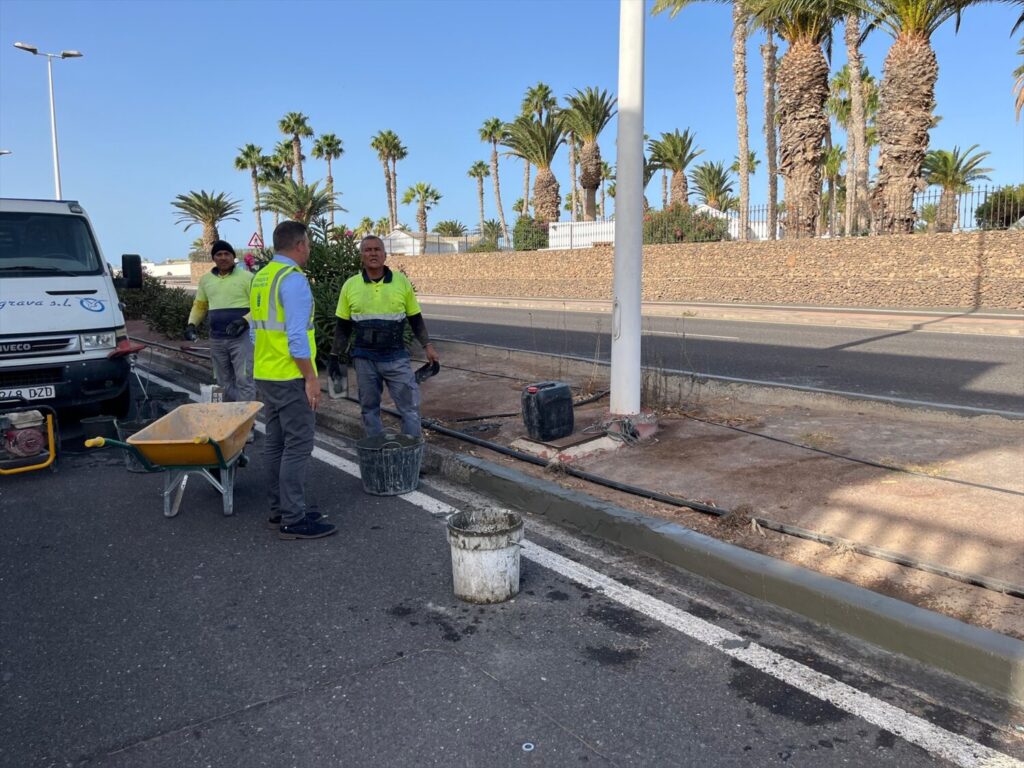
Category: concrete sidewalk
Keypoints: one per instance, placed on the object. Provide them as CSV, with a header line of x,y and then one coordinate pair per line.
x,y
1000,323
958,504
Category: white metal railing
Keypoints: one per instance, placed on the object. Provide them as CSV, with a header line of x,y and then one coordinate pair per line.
x,y
580,234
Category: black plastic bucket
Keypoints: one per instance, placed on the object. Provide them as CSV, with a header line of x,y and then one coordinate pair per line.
x,y
98,426
390,463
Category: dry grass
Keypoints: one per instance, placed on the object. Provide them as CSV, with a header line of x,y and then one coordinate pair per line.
x,y
820,440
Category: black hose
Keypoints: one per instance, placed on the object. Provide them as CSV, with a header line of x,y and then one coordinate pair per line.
x,y
995,585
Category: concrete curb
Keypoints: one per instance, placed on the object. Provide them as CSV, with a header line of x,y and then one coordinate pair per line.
x,y
984,657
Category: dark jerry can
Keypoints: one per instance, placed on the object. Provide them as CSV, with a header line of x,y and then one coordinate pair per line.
x,y
547,411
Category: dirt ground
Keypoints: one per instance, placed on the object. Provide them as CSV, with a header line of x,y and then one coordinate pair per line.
x,y
959,504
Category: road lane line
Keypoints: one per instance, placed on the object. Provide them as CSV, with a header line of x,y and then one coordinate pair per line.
x,y
935,740
688,335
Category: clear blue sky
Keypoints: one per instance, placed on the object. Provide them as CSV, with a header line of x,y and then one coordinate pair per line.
x,y
167,92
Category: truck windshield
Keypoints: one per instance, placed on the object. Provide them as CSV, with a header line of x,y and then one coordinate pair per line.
x,y
37,244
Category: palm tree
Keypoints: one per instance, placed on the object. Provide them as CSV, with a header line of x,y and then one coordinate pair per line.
x,y
607,174
284,156
382,226
831,165
271,170
840,106
492,131
590,110
769,53
296,125
954,172
1018,86
250,158
425,197
479,171
451,228
491,231
299,202
713,185
537,100
573,143
740,31
803,90
675,151
207,209
398,152
383,143
328,147
537,141
752,163
908,102
364,228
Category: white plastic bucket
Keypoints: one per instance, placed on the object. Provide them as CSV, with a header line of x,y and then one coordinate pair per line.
x,y
485,555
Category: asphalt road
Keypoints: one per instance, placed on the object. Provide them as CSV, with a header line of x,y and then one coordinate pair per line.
x,y
961,370
127,639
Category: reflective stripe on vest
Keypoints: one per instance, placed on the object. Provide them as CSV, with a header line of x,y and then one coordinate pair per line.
x,y
272,360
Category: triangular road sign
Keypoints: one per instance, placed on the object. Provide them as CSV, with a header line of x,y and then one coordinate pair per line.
x,y
255,241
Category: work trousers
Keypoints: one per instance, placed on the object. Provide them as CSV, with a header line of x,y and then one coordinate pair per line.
x,y
289,445
232,365
405,392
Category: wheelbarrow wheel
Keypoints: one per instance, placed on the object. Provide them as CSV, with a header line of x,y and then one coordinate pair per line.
x,y
243,460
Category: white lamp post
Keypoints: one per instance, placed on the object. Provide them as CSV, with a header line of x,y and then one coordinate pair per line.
x,y
53,113
626,287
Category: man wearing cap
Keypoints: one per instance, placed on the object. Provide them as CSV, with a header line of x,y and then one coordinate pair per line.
x,y
375,304
223,293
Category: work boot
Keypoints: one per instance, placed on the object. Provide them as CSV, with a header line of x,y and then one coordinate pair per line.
x,y
274,522
306,529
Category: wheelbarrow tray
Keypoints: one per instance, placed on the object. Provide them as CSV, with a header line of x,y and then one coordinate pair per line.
x,y
190,435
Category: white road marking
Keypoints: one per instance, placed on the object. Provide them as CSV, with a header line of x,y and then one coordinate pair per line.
x,y
935,740
688,335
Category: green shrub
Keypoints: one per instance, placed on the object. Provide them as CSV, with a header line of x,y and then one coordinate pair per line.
x,y
135,301
484,246
1001,209
679,224
529,235
168,314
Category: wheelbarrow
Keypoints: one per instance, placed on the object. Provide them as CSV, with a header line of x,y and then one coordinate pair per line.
x,y
193,439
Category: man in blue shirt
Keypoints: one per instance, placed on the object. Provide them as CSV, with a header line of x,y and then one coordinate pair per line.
x,y
285,370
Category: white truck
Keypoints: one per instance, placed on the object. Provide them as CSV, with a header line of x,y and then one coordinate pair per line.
x,y
62,334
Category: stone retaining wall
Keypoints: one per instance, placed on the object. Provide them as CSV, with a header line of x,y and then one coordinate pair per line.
x,y
966,270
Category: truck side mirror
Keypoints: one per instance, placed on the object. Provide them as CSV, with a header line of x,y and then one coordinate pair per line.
x,y
131,270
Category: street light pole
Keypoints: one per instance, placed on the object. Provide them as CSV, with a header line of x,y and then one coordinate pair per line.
x,y
53,110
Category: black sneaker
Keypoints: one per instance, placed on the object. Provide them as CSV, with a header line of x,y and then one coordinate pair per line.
x,y
307,529
273,523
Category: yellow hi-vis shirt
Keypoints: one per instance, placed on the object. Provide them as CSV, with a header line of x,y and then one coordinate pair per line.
x,y
272,360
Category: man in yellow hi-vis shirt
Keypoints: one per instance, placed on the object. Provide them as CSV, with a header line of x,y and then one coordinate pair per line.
x,y
224,292
285,369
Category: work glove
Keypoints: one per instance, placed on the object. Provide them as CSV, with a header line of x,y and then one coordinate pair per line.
x,y
191,334
337,378
237,327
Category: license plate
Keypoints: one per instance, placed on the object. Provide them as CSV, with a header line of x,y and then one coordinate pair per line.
x,y
42,392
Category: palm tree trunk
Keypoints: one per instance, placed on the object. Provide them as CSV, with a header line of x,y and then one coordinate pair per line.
x,y
210,236
297,152
856,129
387,193
769,53
497,189
394,189
259,213
545,196
946,215
330,188
739,73
601,209
664,189
803,90
480,194
572,176
905,116
526,189
680,188
421,222
590,178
